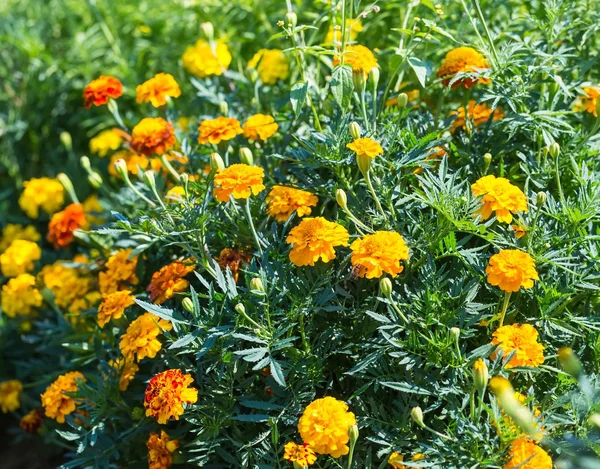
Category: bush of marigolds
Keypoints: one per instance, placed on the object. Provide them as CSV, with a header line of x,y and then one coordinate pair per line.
x,y
333,234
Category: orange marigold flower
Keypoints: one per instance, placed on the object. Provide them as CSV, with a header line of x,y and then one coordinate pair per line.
x,y
511,269
260,127
589,101
476,113
160,450
19,258
522,339
217,130
157,89
63,224
360,58
519,231
525,454
141,338
55,402
113,306
379,253
302,454
324,426
119,273
170,280
314,239
99,90
201,60
271,65
462,60
166,393
232,258
32,421
10,395
152,135
126,368
238,180
284,201
365,147
500,196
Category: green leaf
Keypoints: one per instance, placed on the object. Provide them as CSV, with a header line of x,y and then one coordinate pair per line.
x,y
422,69
277,373
342,86
298,96
406,387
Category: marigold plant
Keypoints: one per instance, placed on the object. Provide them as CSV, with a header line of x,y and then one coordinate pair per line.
x,y
314,239
166,393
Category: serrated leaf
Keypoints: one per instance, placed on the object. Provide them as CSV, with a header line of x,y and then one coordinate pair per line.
x,y
342,86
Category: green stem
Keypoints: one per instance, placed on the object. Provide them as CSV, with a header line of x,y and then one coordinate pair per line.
x,y
251,223
504,307
372,190
351,453
169,167
363,105
558,184
397,309
487,31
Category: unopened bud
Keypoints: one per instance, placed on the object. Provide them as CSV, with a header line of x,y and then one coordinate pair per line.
x,y
386,287
252,74
480,375
355,130
291,18
594,420
66,140
149,179
240,308
341,198
374,77
216,162
121,169
95,180
208,30
364,163
85,163
540,198
402,100
353,434
487,159
569,362
416,414
188,304
246,156
256,285
455,333
359,79
224,107
554,149
184,178
68,185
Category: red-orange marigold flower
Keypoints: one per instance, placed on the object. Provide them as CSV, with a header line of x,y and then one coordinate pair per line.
x,y
232,258
159,450
169,280
99,90
63,224
32,421
153,135
166,393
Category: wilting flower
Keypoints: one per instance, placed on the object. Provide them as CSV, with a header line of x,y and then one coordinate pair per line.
x,y
360,58
44,193
221,129
98,91
379,253
20,297
113,306
335,34
589,101
119,273
284,201
126,369
63,224
314,239
105,141
238,180
55,402
169,280
511,269
232,258
152,135
462,60
476,113
201,60
10,395
521,339
324,426
271,65
32,421
160,450
365,147
500,196
141,338
166,393
13,232
157,89
19,258
302,455
525,454
396,460
260,127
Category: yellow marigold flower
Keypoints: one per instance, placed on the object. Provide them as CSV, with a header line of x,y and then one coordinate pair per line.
x,y
201,60
284,201
113,306
106,141
64,223
476,113
232,258
170,280
511,269
271,65
10,395
314,239
500,196
166,393
379,253
98,91
141,338
32,421
519,231
160,450
324,426
303,455
119,273
238,180
360,58
20,297
19,258
334,35
221,129
41,193
589,101
175,195
462,60
396,460
260,127
157,89
126,370
152,135
365,147
55,402
525,454
12,232
134,162
67,284
86,302
522,339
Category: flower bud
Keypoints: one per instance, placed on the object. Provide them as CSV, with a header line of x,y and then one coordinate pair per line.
x,y
149,180
540,198
291,18
252,74
364,163
341,198
85,163
246,156
353,434
355,130
416,414
66,140
374,77
554,149
224,107
480,375
386,287
121,169
95,180
569,362
487,159
216,162
256,285
68,185
402,100
240,308
184,178
188,304
208,30
594,420
455,333
359,79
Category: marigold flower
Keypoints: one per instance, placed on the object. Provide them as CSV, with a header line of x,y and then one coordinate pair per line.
x,y
302,454
462,60
238,180
106,141
201,60
511,269
378,253
10,395
314,239
133,161
360,58
324,426
271,65
67,284
166,393
19,258
99,90
525,454
13,232
56,403
260,127
170,280
20,297
160,450
589,101
500,196
476,113
175,195
44,193
284,201
157,89
141,338
32,421
126,368
365,147
63,224
152,135
113,306
119,273
519,231
522,339
334,35
396,460
232,258
221,129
